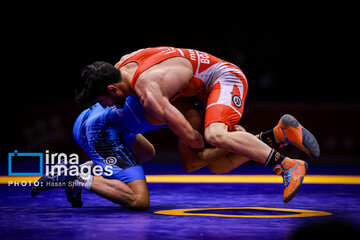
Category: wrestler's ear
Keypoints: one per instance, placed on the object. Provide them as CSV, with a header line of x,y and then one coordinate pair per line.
x,y
112,90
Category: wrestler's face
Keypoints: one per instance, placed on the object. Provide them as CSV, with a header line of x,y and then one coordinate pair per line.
x,y
116,96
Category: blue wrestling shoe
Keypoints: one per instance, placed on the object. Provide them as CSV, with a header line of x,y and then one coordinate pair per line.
x,y
73,195
50,182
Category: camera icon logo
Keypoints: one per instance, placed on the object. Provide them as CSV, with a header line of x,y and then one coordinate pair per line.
x,y
16,157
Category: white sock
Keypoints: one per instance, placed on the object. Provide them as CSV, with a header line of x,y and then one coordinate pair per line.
x,y
88,163
84,181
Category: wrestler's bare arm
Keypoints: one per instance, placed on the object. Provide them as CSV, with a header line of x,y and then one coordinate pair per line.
x,y
157,85
142,149
158,106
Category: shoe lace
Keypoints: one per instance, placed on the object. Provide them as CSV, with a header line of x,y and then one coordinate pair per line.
x,y
279,170
286,177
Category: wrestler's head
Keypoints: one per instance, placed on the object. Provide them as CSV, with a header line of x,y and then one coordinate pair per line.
x,y
102,82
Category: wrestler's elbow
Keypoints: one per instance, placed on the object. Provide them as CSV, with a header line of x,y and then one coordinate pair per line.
x,y
190,167
147,156
143,150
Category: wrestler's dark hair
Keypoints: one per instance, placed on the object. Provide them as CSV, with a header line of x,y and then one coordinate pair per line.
x,y
94,81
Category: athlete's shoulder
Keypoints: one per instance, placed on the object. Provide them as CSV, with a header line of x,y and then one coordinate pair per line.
x,y
90,118
136,56
127,56
84,115
132,107
82,122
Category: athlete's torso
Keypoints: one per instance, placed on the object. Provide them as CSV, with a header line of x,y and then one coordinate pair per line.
x,y
104,132
205,68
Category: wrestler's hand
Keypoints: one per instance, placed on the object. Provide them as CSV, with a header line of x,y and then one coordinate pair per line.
x,y
199,140
238,128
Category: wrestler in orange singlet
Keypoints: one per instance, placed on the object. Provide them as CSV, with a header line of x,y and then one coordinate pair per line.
x,y
162,74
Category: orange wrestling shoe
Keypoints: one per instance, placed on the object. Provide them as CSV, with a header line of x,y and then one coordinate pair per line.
x,y
289,130
293,172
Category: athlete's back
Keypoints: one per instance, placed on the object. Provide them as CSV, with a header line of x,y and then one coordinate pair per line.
x,y
221,85
206,68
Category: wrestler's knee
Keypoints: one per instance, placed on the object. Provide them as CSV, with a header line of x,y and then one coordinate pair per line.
x,y
140,205
215,134
139,202
138,198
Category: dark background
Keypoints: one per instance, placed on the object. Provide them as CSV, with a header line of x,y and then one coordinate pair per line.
x,y
298,59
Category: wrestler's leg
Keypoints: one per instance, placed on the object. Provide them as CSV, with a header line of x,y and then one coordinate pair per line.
x,y
193,159
217,160
133,195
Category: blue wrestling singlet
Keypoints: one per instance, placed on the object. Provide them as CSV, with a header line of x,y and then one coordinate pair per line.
x,y
107,135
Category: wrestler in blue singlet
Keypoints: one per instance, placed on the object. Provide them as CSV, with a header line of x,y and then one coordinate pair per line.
x,y
107,135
